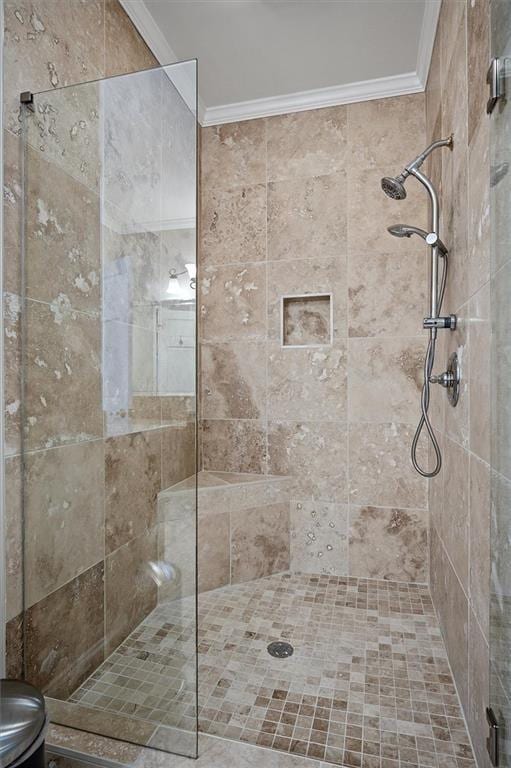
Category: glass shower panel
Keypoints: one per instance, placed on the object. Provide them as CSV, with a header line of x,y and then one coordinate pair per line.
x,y
109,391
500,377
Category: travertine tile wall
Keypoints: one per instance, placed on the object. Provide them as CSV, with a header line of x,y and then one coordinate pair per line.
x,y
292,205
90,493
459,497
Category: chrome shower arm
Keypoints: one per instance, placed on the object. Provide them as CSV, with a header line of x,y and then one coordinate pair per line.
x,y
416,164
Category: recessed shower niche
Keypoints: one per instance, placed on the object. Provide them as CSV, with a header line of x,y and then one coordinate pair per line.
x,y
306,320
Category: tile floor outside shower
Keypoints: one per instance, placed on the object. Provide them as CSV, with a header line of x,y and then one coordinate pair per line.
x,y
368,686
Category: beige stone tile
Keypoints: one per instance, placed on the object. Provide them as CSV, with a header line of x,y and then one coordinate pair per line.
x,y
92,745
66,127
478,56
452,609
62,253
49,45
500,548
178,408
454,211
387,294
370,234
381,473
214,556
438,396
233,378
64,526
479,208
451,27
125,49
234,445
436,487
478,691
131,264
60,654
480,555
233,155
12,373
389,543
307,383
14,648
259,542
433,95
303,277
13,538
63,375
132,484
455,523
454,228
386,131
479,368
12,212
178,453
314,454
385,379
177,541
146,407
305,144
233,224
500,191
134,171
500,384
130,591
233,302
307,218
117,725
319,538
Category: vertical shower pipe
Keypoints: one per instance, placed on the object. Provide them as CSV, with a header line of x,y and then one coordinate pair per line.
x,y
434,227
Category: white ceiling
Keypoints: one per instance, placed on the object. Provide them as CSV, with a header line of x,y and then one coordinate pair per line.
x,y
268,49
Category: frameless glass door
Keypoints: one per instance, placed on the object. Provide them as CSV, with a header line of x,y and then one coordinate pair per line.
x,y
109,392
500,377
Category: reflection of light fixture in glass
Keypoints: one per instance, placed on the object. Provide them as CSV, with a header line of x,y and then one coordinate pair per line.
x,y
173,287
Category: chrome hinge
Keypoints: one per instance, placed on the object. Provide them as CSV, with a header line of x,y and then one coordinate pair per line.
x,y
492,742
495,79
27,99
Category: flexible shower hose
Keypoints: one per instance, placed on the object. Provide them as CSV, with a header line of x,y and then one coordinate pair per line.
x,y
425,394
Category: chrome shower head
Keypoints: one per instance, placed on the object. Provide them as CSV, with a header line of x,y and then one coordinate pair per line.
x,y
394,187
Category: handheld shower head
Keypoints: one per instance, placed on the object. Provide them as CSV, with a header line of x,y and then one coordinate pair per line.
x,y
394,187
407,230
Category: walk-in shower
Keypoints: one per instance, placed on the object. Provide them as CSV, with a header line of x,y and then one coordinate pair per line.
x,y
394,187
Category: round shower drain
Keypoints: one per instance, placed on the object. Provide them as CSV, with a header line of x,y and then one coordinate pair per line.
x,y
280,650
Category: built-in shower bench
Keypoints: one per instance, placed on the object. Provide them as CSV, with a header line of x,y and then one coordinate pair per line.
x,y
243,529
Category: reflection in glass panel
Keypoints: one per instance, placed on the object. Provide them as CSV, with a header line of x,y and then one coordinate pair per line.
x,y
500,291
109,401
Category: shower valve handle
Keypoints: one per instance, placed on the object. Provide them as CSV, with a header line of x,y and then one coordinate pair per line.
x,y
445,379
440,322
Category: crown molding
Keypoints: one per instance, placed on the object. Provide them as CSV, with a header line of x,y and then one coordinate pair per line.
x,y
365,90
427,39
143,20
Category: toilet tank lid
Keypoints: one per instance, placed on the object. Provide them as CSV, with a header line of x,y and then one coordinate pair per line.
x,y
22,718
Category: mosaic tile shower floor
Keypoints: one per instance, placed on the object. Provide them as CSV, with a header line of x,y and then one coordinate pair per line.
x,y
368,685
